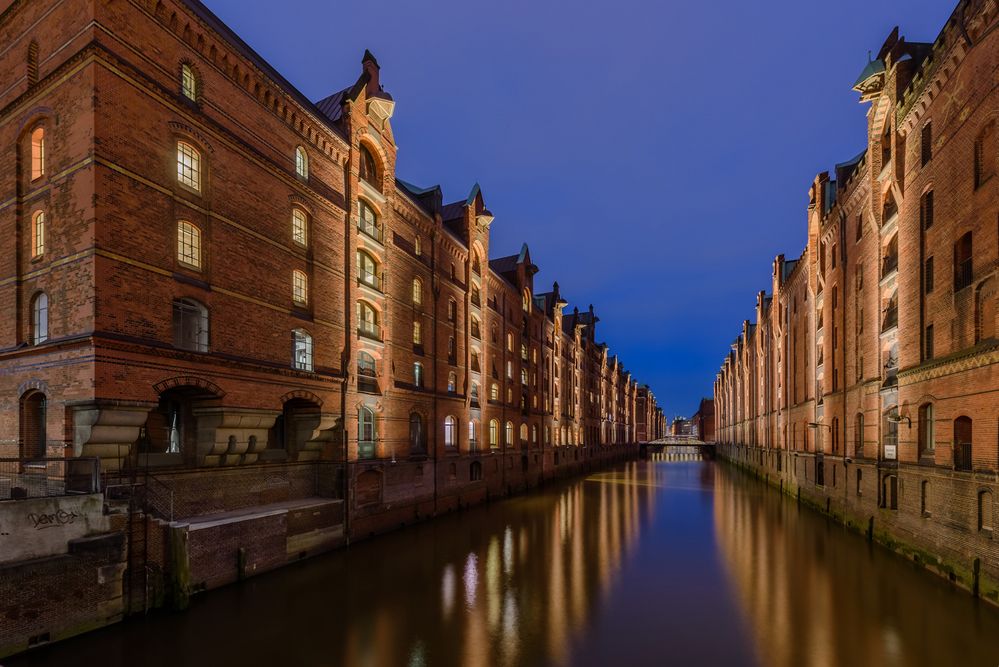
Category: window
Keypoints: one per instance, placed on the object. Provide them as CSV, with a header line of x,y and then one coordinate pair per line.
x,y
417,442
188,82
534,434
190,325
301,343
509,370
926,439
37,153
417,291
367,271
367,320
368,220
188,244
417,333
475,470
301,162
926,210
452,383
451,354
472,440
494,392
40,318
38,234
299,287
299,227
860,227
926,144
526,302
452,310
509,342
450,432
928,276
963,272
418,374
367,376
365,432
188,166
474,395
985,154
509,434
928,343
523,376
417,246
368,172
962,443
523,434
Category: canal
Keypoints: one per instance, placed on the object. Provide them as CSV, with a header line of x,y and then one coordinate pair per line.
x,y
651,563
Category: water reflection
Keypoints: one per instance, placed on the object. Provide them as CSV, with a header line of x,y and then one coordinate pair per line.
x,y
672,561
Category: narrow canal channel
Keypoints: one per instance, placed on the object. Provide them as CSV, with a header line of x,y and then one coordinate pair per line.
x,y
651,563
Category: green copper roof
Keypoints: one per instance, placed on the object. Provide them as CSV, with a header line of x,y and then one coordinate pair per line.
x,y
873,67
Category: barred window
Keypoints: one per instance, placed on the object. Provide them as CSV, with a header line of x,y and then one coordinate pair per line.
x,y
301,350
299,287
188,165
189,244
299,226
38,234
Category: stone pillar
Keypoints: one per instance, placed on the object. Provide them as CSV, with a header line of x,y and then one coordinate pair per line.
x,y
108,430
232,436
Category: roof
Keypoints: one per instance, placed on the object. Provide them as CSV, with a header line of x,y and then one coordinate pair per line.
x,y
332,106
873,67
427,199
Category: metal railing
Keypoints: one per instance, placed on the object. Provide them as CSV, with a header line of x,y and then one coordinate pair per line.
x,y
48,477
369,330
372,280
371,229
962,456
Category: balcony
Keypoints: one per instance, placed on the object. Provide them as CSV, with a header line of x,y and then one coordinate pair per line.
x,y
962,456
369,330
370,229
372,280
889,266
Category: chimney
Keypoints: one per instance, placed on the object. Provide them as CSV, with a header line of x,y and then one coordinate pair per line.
x,y
371,68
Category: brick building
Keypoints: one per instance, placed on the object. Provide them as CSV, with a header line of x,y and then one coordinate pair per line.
x,y
869,379
651,422
704,420
222,291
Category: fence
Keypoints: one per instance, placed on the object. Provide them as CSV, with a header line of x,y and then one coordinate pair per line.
x,y
43,478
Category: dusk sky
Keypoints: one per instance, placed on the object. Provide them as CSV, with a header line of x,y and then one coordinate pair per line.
x,y
655,156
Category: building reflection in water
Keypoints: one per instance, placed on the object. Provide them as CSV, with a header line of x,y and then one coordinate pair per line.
x,y
814,593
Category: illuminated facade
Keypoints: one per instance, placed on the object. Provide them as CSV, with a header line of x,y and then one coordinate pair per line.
x,y
869,379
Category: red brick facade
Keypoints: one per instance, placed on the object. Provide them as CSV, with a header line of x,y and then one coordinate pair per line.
x,y
870,377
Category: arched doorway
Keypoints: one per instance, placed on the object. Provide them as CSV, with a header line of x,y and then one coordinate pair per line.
x,y
170,434
33,415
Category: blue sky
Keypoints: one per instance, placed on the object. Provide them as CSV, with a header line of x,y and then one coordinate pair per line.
x,y
654,154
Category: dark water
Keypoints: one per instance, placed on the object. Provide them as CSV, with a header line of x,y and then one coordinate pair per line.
x,y
658,563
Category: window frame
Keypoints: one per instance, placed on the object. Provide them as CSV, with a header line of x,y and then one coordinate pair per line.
x,y
301,162
300,226
39,318
189,175
301,341
186,228
37,138
300,287
38,229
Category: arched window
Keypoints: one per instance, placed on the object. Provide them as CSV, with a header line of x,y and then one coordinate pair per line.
x,y
366,433
523,434
368,171
299,287
301,355
37,153
523,376
417,292
188,244
473,440
38,234
963,268
367,270
509,341
452,310
188,82
494,434
509,434
985,154
926,438
301,162
475,471
494,392
534,434
450,432
417,246
962,443
417,440
33,417
299,227
476,264
418,374
367,320
452,383
188,165
526,302
367,377
476,328
367,220
40,318
190,325
417,333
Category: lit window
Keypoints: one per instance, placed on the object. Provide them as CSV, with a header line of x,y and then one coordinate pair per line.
x,y
472,440
527,301
37,153
494,434
452,383
450,436
523,433
189,244
509,433
188,82
509,342
367,320
417,247
365,432
417,333
417,291
190,325
494,392
299,226
40,318
367,270
301,350
418,374
301,162
188,165
299,287
368,220
38,234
